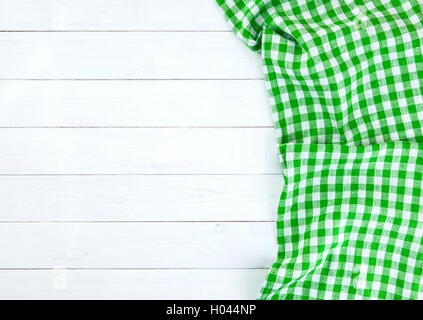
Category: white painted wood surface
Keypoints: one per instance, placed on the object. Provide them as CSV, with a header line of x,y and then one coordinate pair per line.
x,y
138,245
194,284
98,15
167,103
126,55
139,198
136,153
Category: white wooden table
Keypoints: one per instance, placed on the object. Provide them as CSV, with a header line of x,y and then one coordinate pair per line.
x,y
137,158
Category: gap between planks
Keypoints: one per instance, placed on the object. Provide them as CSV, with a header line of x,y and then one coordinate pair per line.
x,y
132,221
117,31
135,79
138,127
123,269
133,174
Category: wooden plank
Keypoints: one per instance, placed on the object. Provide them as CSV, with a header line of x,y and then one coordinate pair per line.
x,y
133,55
139,198
51,15
134,103
132,284
137,245
138,151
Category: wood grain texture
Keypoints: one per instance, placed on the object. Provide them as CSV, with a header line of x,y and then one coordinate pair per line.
x,y
134,103
209,284
137,245
134,55
139,198
138,151
141,212
52,15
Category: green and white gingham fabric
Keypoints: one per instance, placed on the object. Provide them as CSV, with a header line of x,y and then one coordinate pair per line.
x,y
350,224
345,80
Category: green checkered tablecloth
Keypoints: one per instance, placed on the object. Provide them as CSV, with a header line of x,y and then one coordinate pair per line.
x,y
345,81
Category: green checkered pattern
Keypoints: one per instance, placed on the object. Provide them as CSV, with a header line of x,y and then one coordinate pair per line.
x,y
345,80
350,223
